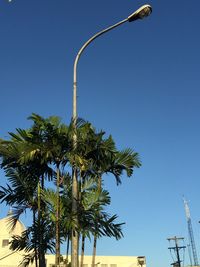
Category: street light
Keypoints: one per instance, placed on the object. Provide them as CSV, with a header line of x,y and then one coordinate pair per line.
x,y
140,13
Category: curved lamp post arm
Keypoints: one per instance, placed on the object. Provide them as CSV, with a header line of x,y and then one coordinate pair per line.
x,y
77,59
140,13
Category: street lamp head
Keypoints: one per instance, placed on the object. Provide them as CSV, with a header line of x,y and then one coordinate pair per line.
x,y
142,12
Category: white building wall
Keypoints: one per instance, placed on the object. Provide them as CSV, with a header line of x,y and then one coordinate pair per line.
x,y
9,258
107,261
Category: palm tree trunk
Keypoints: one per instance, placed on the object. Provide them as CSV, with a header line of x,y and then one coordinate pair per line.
x,y
95,236
57,259
35,241
67,250
94,251
41,251
82,250
42,262
39,224
75,235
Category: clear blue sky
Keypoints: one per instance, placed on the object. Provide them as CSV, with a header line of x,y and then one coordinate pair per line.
x,y
140,83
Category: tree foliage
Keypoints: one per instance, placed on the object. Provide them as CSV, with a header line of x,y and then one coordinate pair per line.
x,y
37,163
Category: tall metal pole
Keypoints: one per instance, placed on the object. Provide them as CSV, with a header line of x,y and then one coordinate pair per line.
x,y
142,12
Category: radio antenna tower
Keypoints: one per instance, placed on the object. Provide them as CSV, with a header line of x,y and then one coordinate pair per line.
x,y
190,232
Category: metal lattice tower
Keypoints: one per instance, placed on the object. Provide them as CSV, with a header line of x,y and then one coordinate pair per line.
x,y
190,232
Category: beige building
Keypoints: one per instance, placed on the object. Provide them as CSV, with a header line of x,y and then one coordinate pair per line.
x,y
8,258
107,261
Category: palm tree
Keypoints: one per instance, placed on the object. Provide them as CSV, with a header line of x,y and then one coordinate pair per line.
x,y
36,148
44,152
65,206
46,144
21,193
29,238
98,155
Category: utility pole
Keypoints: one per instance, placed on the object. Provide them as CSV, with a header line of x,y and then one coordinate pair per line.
x,y
176,249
